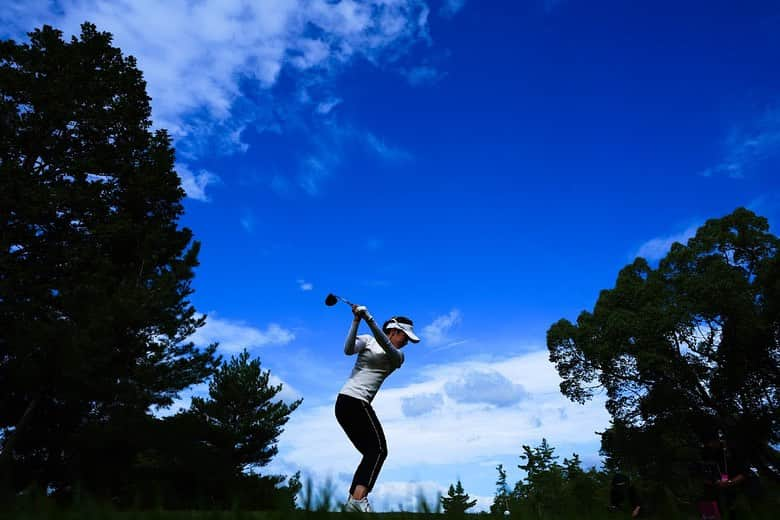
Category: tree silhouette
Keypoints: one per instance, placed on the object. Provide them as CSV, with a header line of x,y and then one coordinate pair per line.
x,y
95,272
503,497
688,347
241,414
457,500
210,455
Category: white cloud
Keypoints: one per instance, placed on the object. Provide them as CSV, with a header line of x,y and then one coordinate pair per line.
x,y
195,56
327,142
326,106
381,148
485,387
311,53
748,145
195,184
406,496
437,333
235,336
313,172
305,286
460,434
657,248
287,394
183,401
420,404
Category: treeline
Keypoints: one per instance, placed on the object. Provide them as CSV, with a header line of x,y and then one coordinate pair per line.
x,y
548,490
95,276
554,489
687,353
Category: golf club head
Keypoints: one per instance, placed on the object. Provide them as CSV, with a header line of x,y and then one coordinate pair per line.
x,y
331,300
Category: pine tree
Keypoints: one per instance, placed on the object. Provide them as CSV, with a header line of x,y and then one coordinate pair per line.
x,y
210,455
540,464
244,419
544,482
502,498
95,273
457,500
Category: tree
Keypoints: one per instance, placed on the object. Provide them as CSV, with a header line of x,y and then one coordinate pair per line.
x,y
540,463
552,490
457,500
209,455
244,421
689,346
503,497
586,490
95,273
544,480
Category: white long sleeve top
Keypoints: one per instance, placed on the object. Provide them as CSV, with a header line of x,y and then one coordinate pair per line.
x,y
376,359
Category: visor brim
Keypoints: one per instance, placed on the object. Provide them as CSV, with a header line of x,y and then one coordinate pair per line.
x,y
407,329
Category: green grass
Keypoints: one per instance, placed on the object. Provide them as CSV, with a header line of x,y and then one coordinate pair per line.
x,y
96,514
325,504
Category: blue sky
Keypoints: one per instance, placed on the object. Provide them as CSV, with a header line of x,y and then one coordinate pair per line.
x,y
485,168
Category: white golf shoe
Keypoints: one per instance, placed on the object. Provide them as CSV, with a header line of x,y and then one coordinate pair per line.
x,y
358,506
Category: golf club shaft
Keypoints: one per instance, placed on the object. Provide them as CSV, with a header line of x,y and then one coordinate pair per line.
x,y
344,300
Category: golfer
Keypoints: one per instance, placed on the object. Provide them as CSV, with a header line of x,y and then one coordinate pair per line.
x,y
378,355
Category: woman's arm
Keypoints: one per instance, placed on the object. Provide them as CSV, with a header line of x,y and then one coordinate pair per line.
x,y
353,345
381,338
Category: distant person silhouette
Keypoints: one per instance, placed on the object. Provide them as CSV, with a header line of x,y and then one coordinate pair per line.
x,y
724,473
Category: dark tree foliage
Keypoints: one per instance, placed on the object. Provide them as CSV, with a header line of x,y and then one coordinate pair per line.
x,y
503,497
95,273
549,489
212,451
244,420
544,483
457,500
684,349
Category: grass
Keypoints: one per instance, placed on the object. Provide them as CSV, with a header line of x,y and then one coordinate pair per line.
x,y
322,504
298,515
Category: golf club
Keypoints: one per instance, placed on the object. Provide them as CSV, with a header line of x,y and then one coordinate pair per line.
x,y
333,299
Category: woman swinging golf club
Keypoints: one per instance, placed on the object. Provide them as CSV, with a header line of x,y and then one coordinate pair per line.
x,y
378,355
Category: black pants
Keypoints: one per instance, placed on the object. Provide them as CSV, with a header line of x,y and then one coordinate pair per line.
x,y
361,425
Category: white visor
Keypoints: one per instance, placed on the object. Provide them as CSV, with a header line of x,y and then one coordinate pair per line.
x,y
406,328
